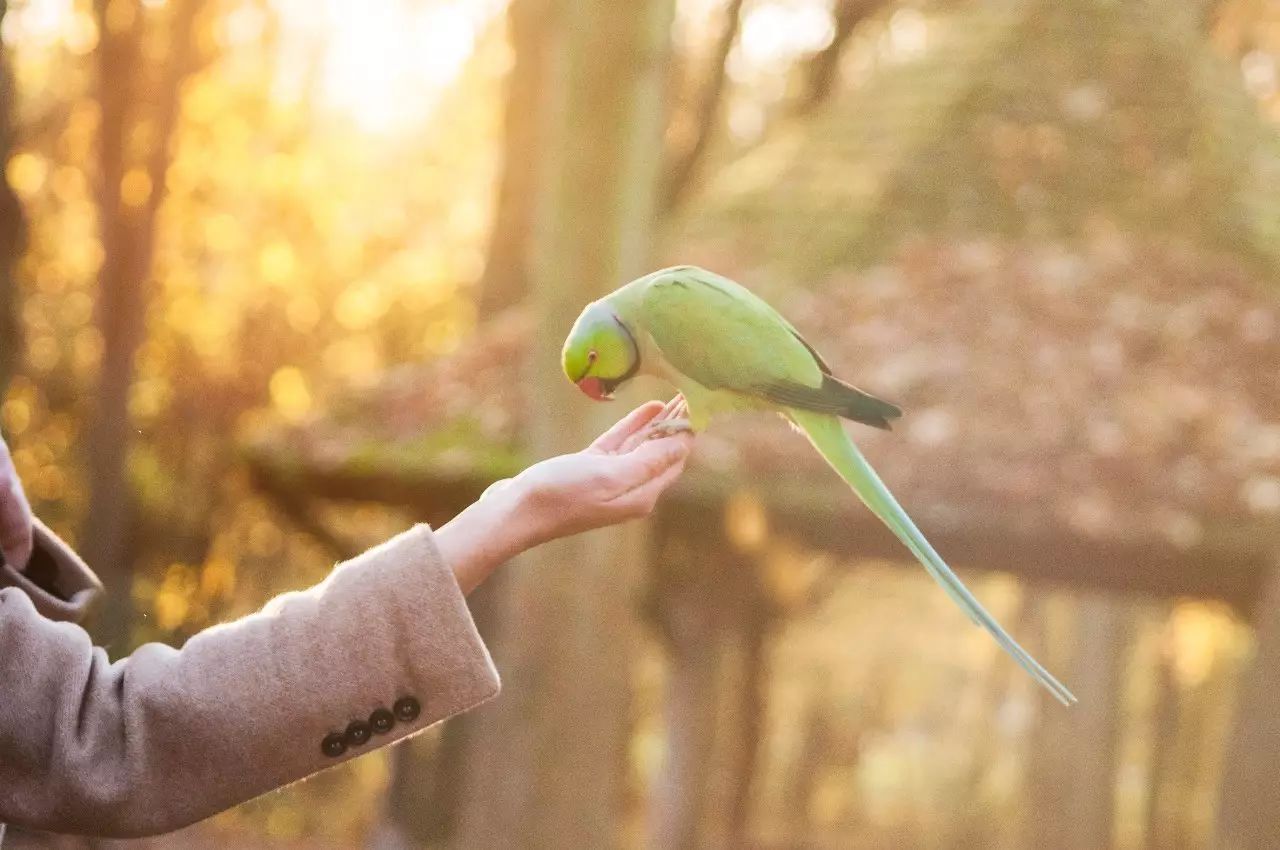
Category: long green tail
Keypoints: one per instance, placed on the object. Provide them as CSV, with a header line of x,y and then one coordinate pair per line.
x,y
829,438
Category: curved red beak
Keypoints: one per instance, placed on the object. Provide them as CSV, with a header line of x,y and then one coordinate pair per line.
x,y
594,388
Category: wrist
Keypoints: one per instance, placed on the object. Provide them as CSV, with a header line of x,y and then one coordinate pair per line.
x,y
508,519
485,535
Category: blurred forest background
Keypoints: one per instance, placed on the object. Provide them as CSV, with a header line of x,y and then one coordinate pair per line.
x,y
279,277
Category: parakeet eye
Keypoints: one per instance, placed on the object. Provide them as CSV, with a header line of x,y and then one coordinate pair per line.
x,y
592,356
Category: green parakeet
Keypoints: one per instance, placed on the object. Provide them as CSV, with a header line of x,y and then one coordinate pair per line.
x,y
726,349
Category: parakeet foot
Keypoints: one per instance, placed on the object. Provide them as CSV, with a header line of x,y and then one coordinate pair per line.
x,y
668,428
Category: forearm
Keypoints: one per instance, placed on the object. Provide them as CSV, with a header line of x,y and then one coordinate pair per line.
x,y
166,737
490,532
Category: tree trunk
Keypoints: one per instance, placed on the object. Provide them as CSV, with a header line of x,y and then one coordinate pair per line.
x,y
973,826
1249,808
803,776
548,765
684,161
1196,729
680,793
12,231
425,794
1159,815
715,618
750,697
1073,771
1101,647
128,233
823,68
506,271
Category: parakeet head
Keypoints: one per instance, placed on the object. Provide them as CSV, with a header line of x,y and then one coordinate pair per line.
x,y
600,352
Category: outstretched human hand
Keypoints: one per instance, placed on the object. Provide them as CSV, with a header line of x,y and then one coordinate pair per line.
x,y
617,478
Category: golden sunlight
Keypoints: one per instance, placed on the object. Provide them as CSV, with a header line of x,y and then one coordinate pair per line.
x,y
384,62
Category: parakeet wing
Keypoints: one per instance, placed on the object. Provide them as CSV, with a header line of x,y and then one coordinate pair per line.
x,y
724,336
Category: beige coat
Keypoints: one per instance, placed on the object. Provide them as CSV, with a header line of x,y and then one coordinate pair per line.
x,y
381,649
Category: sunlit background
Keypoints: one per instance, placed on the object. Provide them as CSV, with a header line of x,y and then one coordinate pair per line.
x,y
274,283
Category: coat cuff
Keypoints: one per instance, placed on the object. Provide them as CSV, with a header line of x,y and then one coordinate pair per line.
x,y
58,582
445,648
438,665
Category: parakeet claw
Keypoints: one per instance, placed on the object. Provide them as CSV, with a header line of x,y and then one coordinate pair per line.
x,y
668,428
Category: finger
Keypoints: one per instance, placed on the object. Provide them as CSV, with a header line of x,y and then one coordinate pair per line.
x,y
675,407
641,436
612,439
668,409
648,461
640,501
671,410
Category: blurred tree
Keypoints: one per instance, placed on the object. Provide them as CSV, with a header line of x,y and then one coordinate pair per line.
x,y
714,611
131,188
821,73
12,227
550,772
973,825
1249,805
692,126
425,792
1073,766
505,280
817,737
1160,764
701,124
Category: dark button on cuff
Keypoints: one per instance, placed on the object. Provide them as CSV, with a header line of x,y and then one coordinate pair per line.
x,y
358,733
334,744
381,721
407,709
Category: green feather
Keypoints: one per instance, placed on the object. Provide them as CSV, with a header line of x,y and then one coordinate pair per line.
x,y
834,445
719,333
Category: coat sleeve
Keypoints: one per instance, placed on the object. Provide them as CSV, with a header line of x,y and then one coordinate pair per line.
x,y
56,581
381,649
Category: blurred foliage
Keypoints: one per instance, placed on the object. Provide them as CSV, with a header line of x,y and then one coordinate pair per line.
x,y
1044,120
297,249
